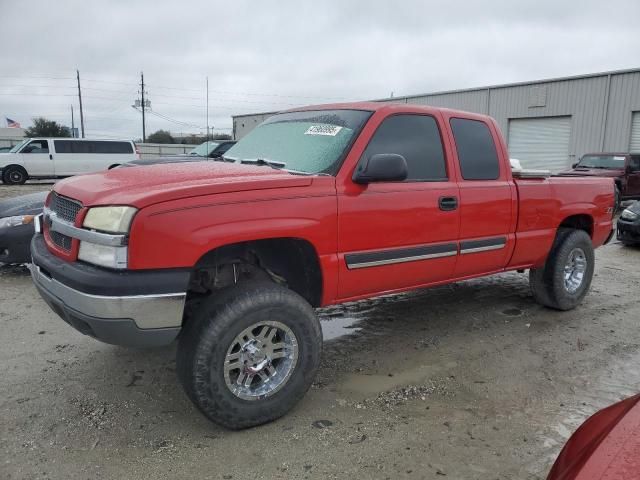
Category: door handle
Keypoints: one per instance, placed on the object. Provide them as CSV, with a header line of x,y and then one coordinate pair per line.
x,y
447,204
50,156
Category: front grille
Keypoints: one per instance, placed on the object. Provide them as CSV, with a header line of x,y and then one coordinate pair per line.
x,y
65,208
61,240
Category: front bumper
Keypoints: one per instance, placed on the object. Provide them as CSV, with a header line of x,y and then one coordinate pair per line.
x,y
138,309
628,231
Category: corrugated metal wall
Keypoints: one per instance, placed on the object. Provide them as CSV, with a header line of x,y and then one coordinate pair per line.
x,y
600,107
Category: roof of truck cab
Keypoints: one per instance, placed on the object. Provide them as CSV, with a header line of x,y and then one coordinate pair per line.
x,y
375,106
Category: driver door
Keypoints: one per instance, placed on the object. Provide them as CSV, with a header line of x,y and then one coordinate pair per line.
x,y
396,235
37,158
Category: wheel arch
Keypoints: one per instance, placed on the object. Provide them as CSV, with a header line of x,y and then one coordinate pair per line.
x,y
287,260
580,221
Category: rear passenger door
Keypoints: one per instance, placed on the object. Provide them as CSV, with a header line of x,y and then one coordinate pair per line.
x,y
487,196
394,235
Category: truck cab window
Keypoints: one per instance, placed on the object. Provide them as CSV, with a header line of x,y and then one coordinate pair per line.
x,y
476,150
417,139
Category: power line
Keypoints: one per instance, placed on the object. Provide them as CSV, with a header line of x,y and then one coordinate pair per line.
x,y
37,77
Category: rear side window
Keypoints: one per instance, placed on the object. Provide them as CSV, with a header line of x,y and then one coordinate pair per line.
x,y
476,150
634,163
62,146
113,147
417,139
88,146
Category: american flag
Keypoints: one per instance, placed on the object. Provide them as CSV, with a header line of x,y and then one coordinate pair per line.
x,y
12,123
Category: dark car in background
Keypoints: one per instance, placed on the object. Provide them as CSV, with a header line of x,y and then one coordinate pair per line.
x,y
212,149
624,168
16,226
628,226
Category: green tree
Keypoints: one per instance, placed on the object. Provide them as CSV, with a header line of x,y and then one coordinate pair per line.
x,y
47,128
161,136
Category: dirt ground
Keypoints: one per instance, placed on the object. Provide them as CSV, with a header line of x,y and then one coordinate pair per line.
x,y
467,381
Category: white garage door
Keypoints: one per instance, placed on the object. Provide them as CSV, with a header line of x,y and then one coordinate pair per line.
x,y
540,143
635,133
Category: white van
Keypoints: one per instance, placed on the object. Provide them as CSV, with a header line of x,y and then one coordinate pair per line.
x,y
63,157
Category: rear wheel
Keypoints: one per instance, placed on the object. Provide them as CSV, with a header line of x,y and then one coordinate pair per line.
x,y
14,175
249,353
566,276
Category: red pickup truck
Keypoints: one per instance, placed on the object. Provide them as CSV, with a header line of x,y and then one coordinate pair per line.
x,y
314,207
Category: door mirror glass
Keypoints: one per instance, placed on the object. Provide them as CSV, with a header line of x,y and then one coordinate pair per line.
x,y
382,167
574,165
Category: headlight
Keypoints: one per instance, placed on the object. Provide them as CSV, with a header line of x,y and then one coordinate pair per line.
x,y
111,257
16,221
109,219
629,215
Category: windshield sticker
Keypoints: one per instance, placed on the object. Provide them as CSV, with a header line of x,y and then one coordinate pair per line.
x,y
330,130
618,158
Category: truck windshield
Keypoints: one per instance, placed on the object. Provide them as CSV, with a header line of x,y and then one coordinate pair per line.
x,y
308,142
602,161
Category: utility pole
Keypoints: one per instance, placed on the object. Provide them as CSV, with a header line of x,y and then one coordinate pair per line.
x,y
144,133
80,101
73,125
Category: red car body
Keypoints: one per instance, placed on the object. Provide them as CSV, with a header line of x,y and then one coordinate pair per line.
x,y
605,447
186,211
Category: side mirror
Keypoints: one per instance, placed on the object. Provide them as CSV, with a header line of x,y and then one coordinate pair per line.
x,y
574,165
382,167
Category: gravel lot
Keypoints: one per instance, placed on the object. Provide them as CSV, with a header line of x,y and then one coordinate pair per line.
x,y
472,380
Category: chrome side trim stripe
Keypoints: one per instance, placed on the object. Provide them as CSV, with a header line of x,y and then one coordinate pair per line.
x,y
375,263
481,249
475,246
424,252
400,255
59,225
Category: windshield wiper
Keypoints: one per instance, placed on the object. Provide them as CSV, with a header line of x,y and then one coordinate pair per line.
x,y
262,161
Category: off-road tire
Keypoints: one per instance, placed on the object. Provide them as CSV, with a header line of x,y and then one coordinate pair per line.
x,y
14,175
213,326
547,282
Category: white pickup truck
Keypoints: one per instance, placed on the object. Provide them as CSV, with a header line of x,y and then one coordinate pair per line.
x,y
62,157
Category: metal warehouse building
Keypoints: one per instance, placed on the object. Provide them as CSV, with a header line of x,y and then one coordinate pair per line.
x,y
547,123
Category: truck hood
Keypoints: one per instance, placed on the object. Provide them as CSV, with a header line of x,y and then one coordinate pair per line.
x,y
146,185
593,172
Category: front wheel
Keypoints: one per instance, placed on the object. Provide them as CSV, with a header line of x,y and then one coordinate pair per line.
x,y
14,175
249,353
566,276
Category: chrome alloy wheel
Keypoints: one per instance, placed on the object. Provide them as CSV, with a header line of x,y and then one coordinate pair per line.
x,y
260,360
574,270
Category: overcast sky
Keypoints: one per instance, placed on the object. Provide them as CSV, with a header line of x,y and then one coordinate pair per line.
x,y
265,56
